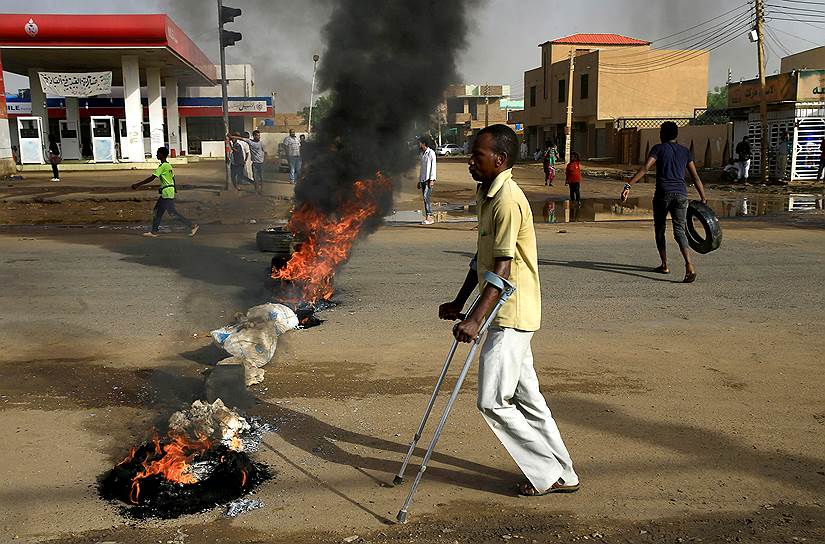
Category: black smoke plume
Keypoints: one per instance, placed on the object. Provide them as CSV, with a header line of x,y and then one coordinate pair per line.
x,y
386,66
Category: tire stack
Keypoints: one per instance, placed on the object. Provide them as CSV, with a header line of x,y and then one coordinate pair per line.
x,y
276,240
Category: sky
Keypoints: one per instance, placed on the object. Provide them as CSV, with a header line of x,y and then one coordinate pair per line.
x,y
280,36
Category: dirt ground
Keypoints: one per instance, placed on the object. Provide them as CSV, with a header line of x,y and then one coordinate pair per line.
x,y
693,413
104,198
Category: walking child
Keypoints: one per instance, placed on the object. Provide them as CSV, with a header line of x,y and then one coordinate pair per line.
x,y
166,201
573,177
549,158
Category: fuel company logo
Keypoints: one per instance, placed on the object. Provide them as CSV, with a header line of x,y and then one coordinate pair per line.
x,y
31,28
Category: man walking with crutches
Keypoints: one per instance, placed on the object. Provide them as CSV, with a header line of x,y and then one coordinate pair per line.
x,y
508,389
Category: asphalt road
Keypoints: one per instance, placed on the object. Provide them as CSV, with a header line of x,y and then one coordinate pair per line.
x,y
691,411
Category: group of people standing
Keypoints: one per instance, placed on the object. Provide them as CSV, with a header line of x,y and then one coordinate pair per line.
x,y
782,153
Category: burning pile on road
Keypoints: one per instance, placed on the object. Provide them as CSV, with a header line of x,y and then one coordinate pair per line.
x,y
326,241
200,463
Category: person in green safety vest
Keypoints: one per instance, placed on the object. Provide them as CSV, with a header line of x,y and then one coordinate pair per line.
x,y
166,202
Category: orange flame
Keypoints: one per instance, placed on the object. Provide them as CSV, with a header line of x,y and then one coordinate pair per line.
x,y
327,239
170,460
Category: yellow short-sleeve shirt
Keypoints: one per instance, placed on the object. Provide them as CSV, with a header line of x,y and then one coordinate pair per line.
x,y
505,229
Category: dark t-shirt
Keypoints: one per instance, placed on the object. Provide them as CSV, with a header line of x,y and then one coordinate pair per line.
x,y
671,166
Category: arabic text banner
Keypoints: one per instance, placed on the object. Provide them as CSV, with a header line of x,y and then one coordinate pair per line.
x,y
82,84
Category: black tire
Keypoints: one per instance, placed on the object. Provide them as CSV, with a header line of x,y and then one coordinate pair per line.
x,y
275,240
712,238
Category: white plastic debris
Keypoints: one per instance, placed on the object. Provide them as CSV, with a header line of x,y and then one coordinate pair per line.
x,y
253,338
242,506
214,421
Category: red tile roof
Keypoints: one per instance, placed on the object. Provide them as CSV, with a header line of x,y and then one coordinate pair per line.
x,y
598,39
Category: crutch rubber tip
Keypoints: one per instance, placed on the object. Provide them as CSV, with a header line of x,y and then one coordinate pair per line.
x,y
402,516
398,480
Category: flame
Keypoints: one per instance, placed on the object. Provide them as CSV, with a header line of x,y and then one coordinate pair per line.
x,y
327,239
171,460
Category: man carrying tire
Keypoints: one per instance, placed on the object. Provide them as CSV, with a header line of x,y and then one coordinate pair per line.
x,y
671,195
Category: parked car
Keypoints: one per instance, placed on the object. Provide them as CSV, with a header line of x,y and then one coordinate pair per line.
x,y
449,149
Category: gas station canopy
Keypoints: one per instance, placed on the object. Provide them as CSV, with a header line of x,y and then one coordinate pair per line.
x,y
76,43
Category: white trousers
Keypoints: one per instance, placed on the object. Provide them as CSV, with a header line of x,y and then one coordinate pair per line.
x,y
510,400
744,168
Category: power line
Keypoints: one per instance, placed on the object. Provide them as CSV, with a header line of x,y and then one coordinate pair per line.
x,y
795,36
700,36
700,40
682,56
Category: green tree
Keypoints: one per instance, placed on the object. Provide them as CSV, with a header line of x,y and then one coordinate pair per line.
x,y
322,107
718,98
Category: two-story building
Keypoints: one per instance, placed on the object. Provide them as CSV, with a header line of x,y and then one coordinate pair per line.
x,y
469,108
614,78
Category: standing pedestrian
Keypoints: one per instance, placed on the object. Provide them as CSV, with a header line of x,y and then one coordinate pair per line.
x,y
238,156
293,156
671,195
166,201
573,177
821,170
549,158
54,157
508,389
426,178
782,150
257,155
247,165
743,151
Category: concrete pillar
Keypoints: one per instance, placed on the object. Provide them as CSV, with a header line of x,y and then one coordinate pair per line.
x,y
184,137
155,108
7,165
73,109
39,108
172,117
132,147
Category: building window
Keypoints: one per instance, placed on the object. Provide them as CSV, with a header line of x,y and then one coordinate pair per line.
x,y
533,96
583,88
562,90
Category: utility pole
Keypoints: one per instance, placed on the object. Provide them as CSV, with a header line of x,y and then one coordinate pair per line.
x,y
312,92
763,99
226,38
486,93
568,128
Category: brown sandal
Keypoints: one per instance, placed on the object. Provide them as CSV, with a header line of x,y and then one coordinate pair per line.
x,y
526,489
690,277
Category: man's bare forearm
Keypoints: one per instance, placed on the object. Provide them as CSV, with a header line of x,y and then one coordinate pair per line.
x,y
467,287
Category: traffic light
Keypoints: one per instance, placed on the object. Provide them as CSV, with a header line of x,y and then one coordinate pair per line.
x,y
228,14
229,37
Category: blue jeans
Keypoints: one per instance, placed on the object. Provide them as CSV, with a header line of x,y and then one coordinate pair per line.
x,y
676,204
426,190
294,168
258,174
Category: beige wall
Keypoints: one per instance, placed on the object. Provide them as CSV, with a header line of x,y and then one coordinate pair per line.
x,y
711,144
533,115
812,59
674,91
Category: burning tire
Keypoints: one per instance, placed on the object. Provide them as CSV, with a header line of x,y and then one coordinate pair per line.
x,y
275,240
217,475
712,238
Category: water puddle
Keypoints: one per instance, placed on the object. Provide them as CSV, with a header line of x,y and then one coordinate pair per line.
x,y
562,210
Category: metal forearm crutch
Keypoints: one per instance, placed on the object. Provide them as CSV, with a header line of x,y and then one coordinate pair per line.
x,y
399,478
505,290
